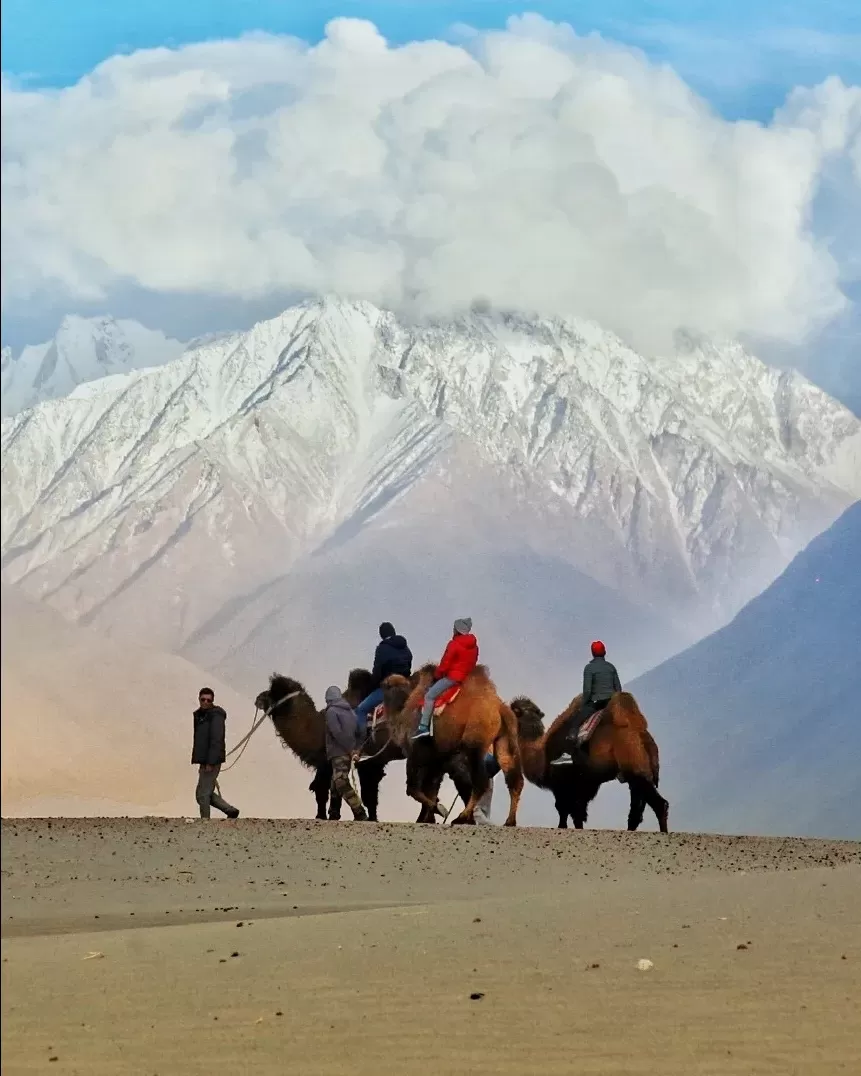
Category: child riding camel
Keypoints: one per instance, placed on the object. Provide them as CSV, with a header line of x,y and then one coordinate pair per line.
x,y
458,661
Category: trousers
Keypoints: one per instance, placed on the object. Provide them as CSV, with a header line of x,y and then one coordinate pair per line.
x,y
342,784
206,795
433,693
364,710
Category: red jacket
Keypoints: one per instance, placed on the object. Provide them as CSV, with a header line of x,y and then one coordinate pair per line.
x,y
459,659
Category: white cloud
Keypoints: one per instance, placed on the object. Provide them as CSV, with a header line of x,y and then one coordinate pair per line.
x,y
529,167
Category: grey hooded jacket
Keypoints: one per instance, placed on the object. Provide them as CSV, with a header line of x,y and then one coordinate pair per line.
x,y
342,728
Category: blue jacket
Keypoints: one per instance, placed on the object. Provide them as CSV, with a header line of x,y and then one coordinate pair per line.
x,y
392,656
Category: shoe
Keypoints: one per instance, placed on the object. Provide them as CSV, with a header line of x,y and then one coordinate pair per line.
x,y
234,813
563,760
421,733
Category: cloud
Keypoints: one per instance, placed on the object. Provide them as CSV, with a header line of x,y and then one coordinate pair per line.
x,y
529,168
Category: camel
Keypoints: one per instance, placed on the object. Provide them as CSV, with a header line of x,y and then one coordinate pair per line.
x,y
302,728
621,747
474,723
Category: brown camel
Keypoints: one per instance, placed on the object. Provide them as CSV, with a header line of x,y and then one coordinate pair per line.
x,y
621,747
475,724
301,727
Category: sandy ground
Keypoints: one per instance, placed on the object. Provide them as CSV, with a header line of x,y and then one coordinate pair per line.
x,y
158,947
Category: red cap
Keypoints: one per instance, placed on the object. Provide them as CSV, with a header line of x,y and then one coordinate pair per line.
x,y
598,649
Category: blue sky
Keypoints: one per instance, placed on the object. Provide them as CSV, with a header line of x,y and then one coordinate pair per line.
x,y
743,56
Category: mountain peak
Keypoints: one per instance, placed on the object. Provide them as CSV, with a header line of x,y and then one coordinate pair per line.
x,y
81,351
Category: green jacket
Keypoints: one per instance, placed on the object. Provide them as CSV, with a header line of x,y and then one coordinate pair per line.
x,y
600,680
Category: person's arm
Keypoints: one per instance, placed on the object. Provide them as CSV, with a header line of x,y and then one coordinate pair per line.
x,y
217,734
617,683
587,685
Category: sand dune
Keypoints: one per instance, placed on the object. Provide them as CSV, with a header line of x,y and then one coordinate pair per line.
x,y
294,947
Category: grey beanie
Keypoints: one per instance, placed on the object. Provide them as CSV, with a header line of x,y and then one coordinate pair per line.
x,y
333,694
463,626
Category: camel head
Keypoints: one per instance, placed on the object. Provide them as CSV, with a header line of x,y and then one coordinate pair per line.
x,y
530,719
396,691
279,688
359,683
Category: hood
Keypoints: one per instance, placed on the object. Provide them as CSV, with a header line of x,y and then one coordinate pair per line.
x,y
396,641
333,695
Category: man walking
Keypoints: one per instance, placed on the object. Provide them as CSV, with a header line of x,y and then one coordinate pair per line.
x,y
208,753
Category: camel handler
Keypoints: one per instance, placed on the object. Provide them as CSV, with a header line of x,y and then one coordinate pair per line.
x,y
342,746
391,656
600,684
208,752
458,661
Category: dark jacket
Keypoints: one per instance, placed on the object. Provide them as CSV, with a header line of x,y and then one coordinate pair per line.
x,y
392,656
600,681
209,734
342,729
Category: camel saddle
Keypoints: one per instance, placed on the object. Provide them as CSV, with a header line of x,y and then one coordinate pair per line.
x,y
440,703
584,733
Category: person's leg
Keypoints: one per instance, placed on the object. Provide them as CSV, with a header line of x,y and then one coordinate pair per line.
x,y
217,802
431,695
341,783
577,719
482,810
365,708
203,793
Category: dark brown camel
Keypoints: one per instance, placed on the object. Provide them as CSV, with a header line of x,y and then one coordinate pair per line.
x,y
474,724
302,728
621,747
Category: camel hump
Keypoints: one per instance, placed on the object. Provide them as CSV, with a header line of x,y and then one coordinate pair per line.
x,y
625,711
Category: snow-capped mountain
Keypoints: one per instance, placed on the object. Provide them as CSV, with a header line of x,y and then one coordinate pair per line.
x,y
83,349
164,502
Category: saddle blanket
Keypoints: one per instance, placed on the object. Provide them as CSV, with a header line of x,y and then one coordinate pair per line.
x,y
588,727
378,717
440,703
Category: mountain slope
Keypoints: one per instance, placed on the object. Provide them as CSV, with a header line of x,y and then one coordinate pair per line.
x,y
83,350
148,503
760,723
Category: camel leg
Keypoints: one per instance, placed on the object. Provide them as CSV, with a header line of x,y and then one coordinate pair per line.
x,y
638,808
509,763
320,787
582,793
561,810
653,798
370,776
458,771
417,781
479,782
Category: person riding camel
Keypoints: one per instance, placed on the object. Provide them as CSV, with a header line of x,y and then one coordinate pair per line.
x,y
391,656
600,683
458,661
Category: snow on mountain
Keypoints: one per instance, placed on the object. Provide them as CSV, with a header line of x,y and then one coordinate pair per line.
x,y
759,723
83,350
172,504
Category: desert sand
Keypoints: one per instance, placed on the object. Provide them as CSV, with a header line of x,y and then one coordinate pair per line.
x,y
159,946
